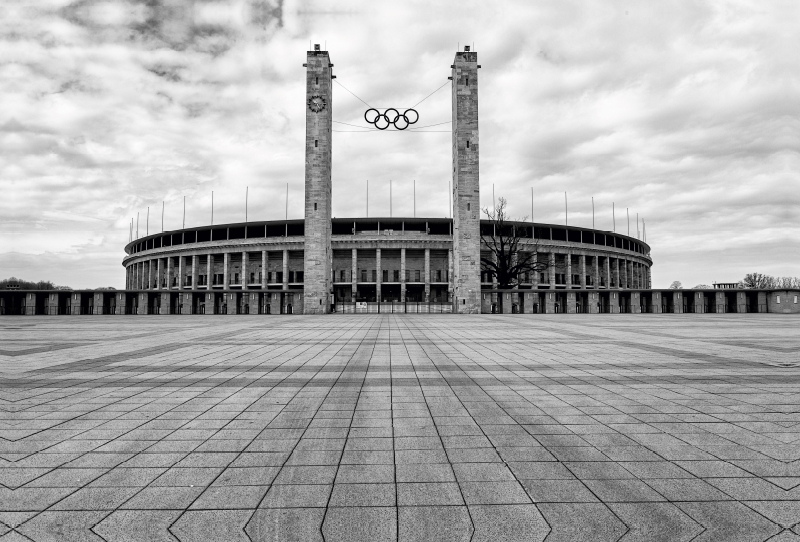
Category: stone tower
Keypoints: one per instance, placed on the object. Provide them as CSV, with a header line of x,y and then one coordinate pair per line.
x,y
466,185
318,254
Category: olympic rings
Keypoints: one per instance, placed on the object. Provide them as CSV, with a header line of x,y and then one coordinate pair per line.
x,y
382,121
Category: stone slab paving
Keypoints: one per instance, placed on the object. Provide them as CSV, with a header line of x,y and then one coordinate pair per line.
x,y
417,428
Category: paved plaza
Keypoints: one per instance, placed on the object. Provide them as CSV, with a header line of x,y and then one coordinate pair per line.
x,y
413,428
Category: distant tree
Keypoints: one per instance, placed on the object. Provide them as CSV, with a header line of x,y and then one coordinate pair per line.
x,y
676,285
702,287
26,284
757,281
786,282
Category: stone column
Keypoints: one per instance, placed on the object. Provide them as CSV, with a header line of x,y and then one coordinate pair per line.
x,y
245,269
450,277
194,272
596,264
535,281
624,277
209,301
649,278
158,274
568,258
285,269
149,274
616,272
549,302
354,273
571,302
551,272
264,263
209,277
378,275
170,272
677,302
608,275
613,302
428,274
583,271
226,262
636,302
180,272
402,275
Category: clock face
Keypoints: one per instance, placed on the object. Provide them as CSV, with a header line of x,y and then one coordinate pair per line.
x,y
316,103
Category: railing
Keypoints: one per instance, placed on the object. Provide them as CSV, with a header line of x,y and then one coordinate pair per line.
x,y
393,307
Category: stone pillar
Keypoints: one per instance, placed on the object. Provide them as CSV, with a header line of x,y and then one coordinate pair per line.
x,y
568,258
209,300
226,263
186,302
285,269
180,272
402,275
550,302
164,309
143,303
159,275
264,264
245,269
317,253
594,301
428,274
170,272
378,275
613,302
741,302
570,308
583,271
624,277
596,264
450,275
649,278
636,302
535,261
233,305
466,184
354,273
608,275
677,302
194,272
209,276
616,273
149,274
551,272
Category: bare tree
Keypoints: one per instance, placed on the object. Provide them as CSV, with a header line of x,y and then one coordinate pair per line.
x,y
702,287
514,254
757,281
676,285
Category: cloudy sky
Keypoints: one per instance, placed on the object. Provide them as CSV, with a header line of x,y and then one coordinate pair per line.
x,y
683,112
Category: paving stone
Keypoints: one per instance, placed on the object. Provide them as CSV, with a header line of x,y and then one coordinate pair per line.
x,y
286,525
588,522
729,521
439,523
137,525
60,526
216,525
655,522
371,524
508,523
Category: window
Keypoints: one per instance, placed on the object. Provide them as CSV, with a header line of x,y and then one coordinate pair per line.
x,y
341,276
252,277
291,276
469,206
374,275
396,275
316,80
385,277
438,275
279,276
795,299
467,143
316,143
416,276
363,275
315,206
236,278
298,275
778,300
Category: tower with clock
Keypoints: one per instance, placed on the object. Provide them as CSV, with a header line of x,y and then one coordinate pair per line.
x,y
318,186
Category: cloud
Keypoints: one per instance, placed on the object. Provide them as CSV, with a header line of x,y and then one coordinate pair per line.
x,y
683,112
